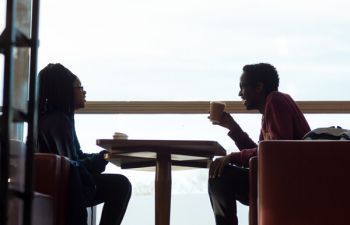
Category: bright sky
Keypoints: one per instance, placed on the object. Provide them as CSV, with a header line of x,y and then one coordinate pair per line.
x,y
136,46
199,47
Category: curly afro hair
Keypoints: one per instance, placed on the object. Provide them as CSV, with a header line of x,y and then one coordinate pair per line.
x,y
264,73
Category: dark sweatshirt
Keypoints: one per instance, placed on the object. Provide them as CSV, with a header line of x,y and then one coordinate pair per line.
x,y
57,135
282,120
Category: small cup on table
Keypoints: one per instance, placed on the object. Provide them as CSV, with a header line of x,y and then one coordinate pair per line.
x,y
120,136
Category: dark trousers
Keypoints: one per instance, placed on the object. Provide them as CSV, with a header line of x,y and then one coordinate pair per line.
x,y
114,190
225,190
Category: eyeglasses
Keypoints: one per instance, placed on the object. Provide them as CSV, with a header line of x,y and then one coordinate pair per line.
x,y
80,87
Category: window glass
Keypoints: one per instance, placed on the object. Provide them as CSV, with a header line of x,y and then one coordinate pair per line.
x,y
189,187
191,50
2,61
190,202
195,49
3,15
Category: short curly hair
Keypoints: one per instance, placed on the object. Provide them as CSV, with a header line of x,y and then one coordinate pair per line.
x,y
264,73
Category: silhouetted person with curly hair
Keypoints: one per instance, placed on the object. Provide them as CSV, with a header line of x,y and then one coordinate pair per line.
x,y
281,120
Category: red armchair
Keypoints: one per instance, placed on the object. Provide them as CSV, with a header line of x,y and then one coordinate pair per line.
x,y
52,179
42,210
303,182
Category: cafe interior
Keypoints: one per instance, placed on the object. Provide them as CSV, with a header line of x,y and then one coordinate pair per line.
x,y
151,69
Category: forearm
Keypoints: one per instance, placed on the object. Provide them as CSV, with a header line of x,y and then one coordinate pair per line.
x,y
94,162
241,139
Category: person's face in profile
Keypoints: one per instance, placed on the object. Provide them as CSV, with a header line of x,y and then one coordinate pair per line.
x,y
79,95
249,93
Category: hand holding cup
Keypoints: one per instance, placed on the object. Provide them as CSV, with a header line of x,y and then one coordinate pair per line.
x,y
216,111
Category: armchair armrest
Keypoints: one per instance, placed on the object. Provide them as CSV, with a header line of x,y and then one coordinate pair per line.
x,y
253,191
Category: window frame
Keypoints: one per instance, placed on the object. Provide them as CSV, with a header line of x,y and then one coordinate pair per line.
x,y
200,107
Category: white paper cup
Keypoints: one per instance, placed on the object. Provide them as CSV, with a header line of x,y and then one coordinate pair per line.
x,y
216,110
120,136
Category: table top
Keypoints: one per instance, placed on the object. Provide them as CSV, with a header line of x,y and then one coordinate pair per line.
x,y
143,153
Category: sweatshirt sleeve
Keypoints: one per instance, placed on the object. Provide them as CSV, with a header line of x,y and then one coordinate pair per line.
x,y
247,147
242,139
246,154
280,115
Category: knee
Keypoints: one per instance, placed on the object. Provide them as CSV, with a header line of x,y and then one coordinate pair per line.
x,y
125,184
115,182
215,186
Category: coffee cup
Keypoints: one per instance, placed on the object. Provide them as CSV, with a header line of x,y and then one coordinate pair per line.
x,y
216,110
120,136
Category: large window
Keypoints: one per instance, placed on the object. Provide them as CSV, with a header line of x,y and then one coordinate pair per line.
x,y
190,202
191,50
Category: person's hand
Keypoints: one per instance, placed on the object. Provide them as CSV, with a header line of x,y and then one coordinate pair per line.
x,y
102,153
227,121
217,166
99,162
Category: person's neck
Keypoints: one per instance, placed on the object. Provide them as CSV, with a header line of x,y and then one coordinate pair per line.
x,y
261,106
261,109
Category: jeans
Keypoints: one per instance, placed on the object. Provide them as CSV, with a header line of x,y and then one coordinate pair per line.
x,y
114,190
225,190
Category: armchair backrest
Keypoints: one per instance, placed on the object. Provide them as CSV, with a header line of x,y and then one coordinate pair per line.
x,y
52,178
304,182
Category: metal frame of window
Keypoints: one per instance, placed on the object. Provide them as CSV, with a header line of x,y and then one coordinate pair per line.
x,y
199,107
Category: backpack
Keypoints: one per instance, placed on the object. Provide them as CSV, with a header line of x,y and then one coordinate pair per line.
x,y
328,133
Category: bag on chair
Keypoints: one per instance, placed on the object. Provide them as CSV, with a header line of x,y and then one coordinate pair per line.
x,y
328,133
